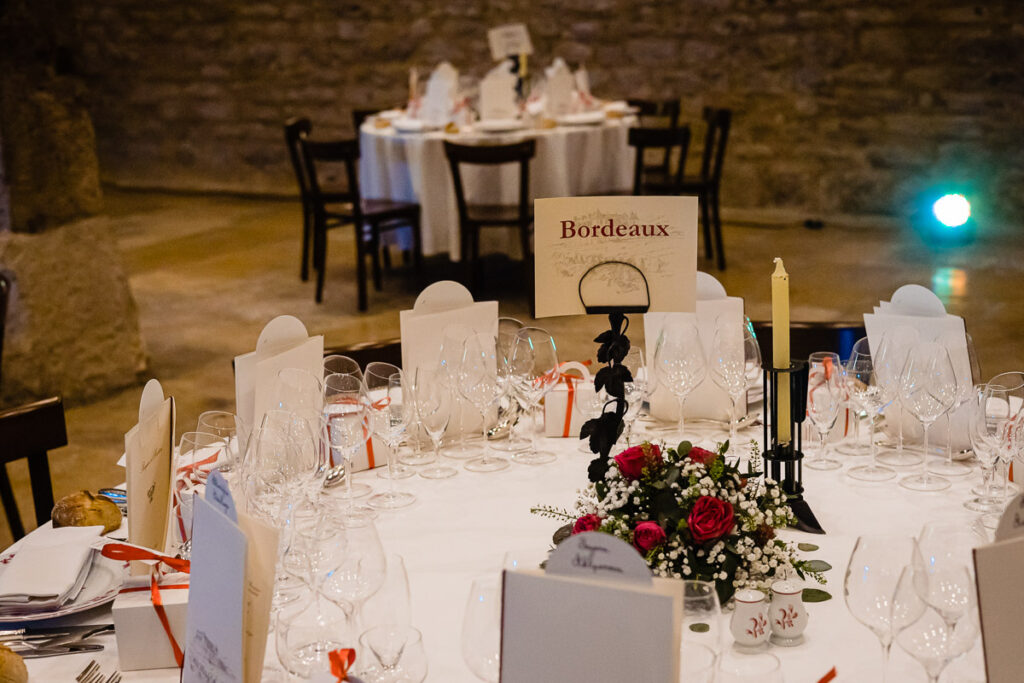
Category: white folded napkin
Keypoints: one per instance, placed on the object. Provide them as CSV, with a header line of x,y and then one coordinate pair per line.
x,y
50,567
560,90
439,101
498,93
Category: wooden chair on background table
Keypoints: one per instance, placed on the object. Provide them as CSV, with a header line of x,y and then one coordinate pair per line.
x,y
359,117
5,295
806,338
474,217
371,217
659,180
296,129
30,431
706,185
657,114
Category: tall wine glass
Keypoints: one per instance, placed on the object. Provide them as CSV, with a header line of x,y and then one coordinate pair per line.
x,y
481,629
535,373
702,622
297,391
727,363
348,429
434,403
869,393
478,384
1003,422
929,388
450,356
893,350
341,365
391,410
960,348
870,582
510,406
825,386
680,362
233,430
985,412
197,454
307,631
356,569
941,575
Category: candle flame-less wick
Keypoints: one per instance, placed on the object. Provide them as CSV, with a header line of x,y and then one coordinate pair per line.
x,y
780,269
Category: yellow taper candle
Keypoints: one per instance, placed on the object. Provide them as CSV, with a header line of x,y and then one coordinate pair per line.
x,y
780,346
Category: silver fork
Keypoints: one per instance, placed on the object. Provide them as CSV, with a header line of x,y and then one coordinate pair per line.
x,y
87,674
114,677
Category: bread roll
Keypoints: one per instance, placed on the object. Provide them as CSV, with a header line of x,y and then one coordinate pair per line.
x,y
12,667
85,509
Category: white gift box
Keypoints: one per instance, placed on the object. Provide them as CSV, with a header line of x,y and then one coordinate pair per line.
x,y
142,642
562,415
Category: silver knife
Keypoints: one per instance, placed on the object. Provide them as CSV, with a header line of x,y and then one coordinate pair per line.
x,y
37,652
80,632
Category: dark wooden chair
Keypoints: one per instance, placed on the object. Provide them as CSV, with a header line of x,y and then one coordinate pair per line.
x,y
659,180
657,114
474,217
5,296
706,185
294,130
371,217
806,338
30,431
359,117
384,351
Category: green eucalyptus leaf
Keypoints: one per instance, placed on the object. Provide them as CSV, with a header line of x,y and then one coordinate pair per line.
x,y
816,595
807,547
700,628
816,566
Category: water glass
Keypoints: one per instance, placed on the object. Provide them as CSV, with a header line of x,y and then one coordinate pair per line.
x,y
481,629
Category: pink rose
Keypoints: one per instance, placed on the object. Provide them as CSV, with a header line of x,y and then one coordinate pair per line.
x,y
710,518
632,461
586,523
648,535
702,455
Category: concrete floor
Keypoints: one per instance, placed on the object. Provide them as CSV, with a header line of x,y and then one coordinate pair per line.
x,y
209,272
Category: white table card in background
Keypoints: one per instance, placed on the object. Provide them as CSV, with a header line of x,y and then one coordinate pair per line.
x,y
508,40
498,93
656,235
148,448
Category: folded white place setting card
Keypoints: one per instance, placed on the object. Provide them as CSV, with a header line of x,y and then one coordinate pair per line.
x,y
498,93
49,568
595,615
560,90
149,461
438,102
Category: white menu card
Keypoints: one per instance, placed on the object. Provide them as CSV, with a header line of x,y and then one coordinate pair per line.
x,y
508,40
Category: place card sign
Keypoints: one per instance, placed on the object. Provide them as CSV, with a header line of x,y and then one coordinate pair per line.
x,y
634,253
1011,524
509,40
588,619
1000,594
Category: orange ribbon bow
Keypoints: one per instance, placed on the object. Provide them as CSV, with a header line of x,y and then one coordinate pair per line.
x,y
829,676
121,551
341,661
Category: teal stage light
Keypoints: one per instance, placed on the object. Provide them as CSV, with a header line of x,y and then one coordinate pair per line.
x,y
952,210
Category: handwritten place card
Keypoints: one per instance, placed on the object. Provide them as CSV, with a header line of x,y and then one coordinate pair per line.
x,y
593,617
656,236
149,448
508,40
1000,592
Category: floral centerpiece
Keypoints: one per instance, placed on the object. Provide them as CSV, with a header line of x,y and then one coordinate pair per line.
x,y
691,514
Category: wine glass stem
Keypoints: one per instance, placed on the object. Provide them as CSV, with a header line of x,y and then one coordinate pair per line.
x,y
347,462
949,437
682,400
924,459
483,431
392,452
822,445
886,647
871,437
899,437
535,418
732,419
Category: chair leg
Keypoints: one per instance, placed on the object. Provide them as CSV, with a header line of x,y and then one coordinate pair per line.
x,y
417,250
385,254
361,270
719,247
319,259
705,222
374,249
307,228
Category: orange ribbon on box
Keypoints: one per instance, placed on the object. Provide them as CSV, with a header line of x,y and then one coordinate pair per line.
x,y
122,551
829,676
570,383
341,662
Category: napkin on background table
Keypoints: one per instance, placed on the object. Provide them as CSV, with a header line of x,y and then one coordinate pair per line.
x,y
560,90
498,93
50,568
439,101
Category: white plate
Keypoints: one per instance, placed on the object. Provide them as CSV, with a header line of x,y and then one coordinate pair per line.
x,y
101,586
499,125
391,114
587,118
620,107
412,126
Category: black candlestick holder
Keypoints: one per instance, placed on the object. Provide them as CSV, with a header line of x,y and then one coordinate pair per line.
x,y
784,459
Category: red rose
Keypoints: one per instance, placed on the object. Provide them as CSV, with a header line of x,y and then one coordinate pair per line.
x,y
648,535
586,523
632,461
703,456
710,518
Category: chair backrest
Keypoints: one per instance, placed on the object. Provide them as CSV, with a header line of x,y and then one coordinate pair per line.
x,y
491,155
718,122
345,152
806,338
667,140
658,109
296,130
5,295
385,351
29,431
359,117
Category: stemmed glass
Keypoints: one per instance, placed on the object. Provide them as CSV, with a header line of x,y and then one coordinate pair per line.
x,y
481,629
588,404
928,387
1001,428
941,575
535,373
341,365
986,411
702,615
636,391
509,408
893,350
434,403
452,343
398,655
355,569
308,630
297,391
390,412
728,364
348,429
478,383
824,396
197,453
680,362
964,362
232,429
870,582
390,604
868,392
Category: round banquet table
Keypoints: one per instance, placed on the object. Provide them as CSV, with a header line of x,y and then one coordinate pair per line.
x,y
412,167
461,528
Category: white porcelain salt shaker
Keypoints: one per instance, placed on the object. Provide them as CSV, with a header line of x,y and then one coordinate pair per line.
x,y
788,615
749,623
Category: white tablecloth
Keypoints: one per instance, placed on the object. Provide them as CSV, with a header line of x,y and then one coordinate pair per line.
x,y
461,528
570,161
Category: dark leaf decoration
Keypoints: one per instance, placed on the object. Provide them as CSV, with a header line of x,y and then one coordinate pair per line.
x,y
562,533
597,469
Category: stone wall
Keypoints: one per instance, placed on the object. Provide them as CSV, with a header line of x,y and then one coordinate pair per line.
x,y
845,107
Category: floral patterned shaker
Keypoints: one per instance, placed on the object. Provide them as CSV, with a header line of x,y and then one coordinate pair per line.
x,y
749,624
787,615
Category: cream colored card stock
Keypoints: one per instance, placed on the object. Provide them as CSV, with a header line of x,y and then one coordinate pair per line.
x,y
149,449
998,569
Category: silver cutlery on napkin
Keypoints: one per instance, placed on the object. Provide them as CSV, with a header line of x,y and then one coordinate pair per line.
x,y
54,635
29,650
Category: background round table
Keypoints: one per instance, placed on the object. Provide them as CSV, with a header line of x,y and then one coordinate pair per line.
x,y
412,167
